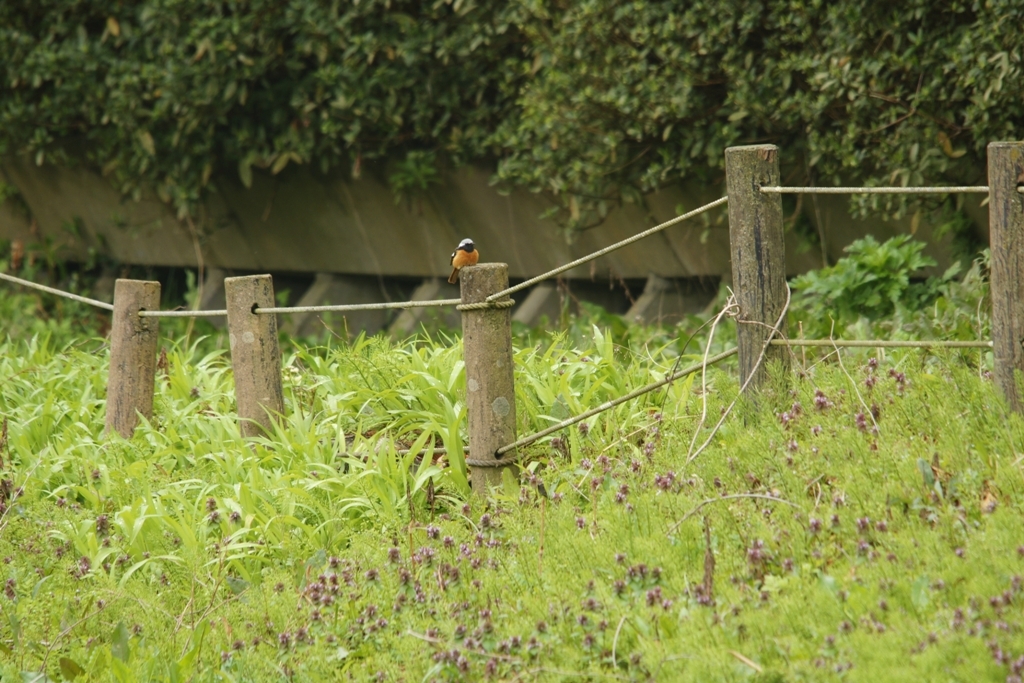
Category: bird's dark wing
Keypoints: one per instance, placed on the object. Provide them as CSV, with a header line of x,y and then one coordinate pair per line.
x,y
451,261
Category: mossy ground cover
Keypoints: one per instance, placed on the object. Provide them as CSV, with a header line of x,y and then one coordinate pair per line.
x,y
862,521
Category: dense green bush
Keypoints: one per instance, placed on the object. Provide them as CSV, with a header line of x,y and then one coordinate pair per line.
x,y
874,280
167,91
632,95
882,287
597,100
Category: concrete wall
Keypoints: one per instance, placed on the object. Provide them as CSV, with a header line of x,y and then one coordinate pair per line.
x,y
303,221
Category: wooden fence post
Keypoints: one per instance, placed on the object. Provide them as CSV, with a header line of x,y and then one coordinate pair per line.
x,y
758,254
1006,242
255,355
133,339
490,388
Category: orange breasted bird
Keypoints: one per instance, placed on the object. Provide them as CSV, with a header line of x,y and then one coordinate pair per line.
x,y
464,255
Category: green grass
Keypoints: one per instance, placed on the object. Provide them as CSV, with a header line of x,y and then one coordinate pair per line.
x,y
190,553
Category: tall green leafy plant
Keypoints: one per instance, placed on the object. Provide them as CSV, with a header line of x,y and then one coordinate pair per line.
x,y
875,280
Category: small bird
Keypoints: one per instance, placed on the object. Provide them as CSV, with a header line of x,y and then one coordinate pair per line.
x,y
464,255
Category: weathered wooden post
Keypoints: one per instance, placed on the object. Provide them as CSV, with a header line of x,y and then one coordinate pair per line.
x,y
132,375
758,254
1006,241
255,355
490,388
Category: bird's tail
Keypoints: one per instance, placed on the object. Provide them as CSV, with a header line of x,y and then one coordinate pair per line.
x,y
454,277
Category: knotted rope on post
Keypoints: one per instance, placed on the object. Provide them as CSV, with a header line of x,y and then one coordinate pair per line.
x,y
505,462
482,305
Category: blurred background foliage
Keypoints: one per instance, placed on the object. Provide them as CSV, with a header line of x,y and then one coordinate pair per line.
x,y
595,101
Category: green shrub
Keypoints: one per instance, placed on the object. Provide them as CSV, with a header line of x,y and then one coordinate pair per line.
x,y
165,92
875,281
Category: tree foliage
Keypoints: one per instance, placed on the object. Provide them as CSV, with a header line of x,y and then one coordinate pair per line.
x,y
630,95
597,101
165,92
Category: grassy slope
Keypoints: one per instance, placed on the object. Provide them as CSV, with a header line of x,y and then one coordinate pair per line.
x,y
275,549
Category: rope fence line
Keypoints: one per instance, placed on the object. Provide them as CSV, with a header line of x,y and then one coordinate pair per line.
x,y
968,189
182,314
58,292
358,307
437,450
608,405
607,250
884,343
508,303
